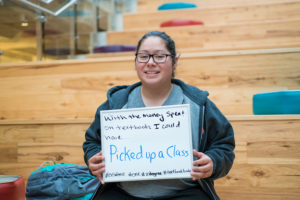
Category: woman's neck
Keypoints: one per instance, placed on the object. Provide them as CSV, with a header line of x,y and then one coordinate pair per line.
x,y
156,96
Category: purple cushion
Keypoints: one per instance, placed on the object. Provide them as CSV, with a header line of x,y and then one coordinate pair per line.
x,y
62,51
114,48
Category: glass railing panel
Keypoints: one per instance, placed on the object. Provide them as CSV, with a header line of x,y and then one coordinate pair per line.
x,y
49,6
58,29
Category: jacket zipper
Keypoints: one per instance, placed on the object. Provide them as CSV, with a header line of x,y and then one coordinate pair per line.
x,y
201,130
200,141
213,194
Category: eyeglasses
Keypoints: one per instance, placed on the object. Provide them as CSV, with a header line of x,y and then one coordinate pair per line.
x,y
157,58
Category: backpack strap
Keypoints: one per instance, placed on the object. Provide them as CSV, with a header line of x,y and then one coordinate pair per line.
x,y
47,162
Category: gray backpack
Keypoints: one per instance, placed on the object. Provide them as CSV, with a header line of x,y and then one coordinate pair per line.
x,y
61,182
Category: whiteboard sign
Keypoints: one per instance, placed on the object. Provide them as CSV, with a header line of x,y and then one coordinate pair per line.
x,y
147,143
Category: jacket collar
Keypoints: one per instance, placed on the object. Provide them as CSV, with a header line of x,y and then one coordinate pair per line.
x,y
118,96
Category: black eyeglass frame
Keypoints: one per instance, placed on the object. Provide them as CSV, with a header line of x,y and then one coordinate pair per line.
x,y
152,55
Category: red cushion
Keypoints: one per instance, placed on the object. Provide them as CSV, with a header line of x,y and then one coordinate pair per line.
x,y
12,187
180,22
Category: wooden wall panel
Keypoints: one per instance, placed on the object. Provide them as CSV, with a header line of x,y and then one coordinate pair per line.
x,y
259,193
213,16
31,143
59,152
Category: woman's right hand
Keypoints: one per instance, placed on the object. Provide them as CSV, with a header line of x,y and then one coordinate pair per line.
x,y
97,166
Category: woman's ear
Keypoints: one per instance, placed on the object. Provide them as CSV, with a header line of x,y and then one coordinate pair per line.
x,y
174,66
176,61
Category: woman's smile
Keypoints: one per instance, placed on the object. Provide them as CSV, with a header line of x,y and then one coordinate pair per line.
x,y
151,73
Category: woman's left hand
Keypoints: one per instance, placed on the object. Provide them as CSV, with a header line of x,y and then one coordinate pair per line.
x,y
203,167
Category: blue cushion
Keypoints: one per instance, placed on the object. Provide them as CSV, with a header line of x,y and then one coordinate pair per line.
x,y
278,102
176,5
61,181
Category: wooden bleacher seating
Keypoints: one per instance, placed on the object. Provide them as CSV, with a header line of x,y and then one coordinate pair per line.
x,y
267,158
46,107
266,164
216,15
149,6
256,35
74,88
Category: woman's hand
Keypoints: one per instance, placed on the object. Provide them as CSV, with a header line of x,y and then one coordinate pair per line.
x,y
203,167
97,166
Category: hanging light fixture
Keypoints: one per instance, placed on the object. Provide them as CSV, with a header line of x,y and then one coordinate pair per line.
x,y
24,21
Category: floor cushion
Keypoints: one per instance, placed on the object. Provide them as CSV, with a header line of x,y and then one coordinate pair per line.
x,y
176,5
114,48
62,51
277,102
180,22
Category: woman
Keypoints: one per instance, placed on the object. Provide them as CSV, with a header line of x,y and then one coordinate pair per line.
x,y
213,138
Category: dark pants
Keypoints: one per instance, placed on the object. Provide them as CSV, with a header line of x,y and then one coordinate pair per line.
x,y
114,193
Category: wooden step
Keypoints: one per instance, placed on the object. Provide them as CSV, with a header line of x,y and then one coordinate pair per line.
x,y
75,88
258,35
213,16
150,6
267,152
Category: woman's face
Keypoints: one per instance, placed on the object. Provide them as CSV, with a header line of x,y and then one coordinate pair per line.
x,y
151,73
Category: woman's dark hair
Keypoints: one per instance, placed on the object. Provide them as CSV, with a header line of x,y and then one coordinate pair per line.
x,y
169,42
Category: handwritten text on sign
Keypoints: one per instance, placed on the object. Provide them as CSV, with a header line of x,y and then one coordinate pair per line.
x,y
147,143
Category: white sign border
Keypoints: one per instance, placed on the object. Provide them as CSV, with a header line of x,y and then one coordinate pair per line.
x,y
187,106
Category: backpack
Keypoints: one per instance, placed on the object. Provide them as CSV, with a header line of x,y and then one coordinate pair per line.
x,y
61,182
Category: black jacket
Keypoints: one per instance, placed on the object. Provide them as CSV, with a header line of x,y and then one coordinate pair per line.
x,y
217,140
